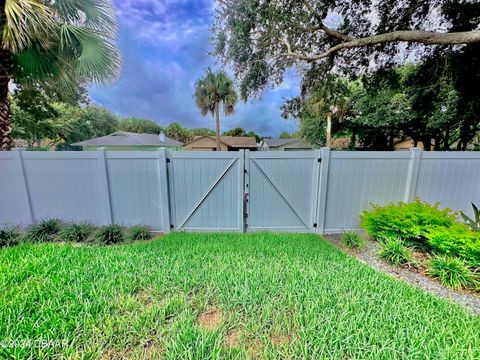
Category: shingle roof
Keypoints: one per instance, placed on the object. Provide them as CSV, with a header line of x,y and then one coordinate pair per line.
x,y
281,142
233,141
128,138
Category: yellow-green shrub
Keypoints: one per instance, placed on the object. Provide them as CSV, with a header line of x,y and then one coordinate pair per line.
x,y
457,240
407,221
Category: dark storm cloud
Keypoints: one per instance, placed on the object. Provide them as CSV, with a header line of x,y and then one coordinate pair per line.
x,y
164,45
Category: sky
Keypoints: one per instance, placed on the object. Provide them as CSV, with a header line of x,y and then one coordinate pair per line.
x,y
164,46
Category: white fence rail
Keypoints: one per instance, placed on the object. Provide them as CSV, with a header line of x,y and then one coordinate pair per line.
x,y
318,191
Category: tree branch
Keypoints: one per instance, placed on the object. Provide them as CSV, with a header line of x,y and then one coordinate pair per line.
x,y
414,36
321,26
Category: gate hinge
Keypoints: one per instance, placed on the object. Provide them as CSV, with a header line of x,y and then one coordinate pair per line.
x,y
319,159
315,225
171,226
168,160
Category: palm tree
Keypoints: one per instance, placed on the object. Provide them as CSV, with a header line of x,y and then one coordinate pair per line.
x,y
331,99
212,91
60,43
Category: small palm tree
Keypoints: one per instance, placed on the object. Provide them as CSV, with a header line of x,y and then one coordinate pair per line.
x,y
60,43
212,91
331,99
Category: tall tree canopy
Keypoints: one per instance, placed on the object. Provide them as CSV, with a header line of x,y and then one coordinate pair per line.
x,y
261,39
139,125
60,43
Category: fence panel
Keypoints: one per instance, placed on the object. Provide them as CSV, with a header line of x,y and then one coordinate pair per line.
x,y
135,191
66,185
451,178
206,190
357,179
282,190
14,204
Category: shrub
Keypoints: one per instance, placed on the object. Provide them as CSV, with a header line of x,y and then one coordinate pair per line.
x,y
110,234
395,252
458,240
408,221
139,232
352,240
80,232
9,235
44,231
451,272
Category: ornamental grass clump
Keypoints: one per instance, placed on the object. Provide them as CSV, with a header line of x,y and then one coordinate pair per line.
x,y
9,235
139,232
352,240
44,231
76,232
452,272
395,252
110,234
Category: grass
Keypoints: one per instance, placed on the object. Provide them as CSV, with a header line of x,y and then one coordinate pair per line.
x,y
210,296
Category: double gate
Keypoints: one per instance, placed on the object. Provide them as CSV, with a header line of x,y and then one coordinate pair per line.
x,y
243,191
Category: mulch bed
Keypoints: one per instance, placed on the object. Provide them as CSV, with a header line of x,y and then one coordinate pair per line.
x,y
413,275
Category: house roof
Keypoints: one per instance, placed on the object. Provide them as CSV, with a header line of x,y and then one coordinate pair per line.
x,y
128,138
232,141
281,142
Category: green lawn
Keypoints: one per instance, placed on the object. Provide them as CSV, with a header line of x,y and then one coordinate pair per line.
x,y
196,296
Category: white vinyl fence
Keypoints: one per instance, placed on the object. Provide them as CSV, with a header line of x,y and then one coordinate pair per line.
x,y
305,191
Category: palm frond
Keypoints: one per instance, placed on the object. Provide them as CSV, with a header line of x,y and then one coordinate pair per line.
x,y
98,15
27,21
96,58
37,64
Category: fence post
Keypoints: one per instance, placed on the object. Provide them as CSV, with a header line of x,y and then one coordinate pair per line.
x,y
23,175
322,193
246,191
105,184
412,175
163,181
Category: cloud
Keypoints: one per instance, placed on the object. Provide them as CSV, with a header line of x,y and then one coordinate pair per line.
x,y
165,45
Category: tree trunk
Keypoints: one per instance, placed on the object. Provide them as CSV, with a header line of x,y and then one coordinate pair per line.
x,y
5,127
328,141
217,123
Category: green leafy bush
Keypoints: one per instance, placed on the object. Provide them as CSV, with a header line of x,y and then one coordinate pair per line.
x,y
408,221
457,240
76,232
110,234
352,240
9,235
451,271
139,232
44,231
395,252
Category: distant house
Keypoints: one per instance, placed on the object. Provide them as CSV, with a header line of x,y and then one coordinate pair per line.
x,y
227,143
284,145
123,140
406,144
